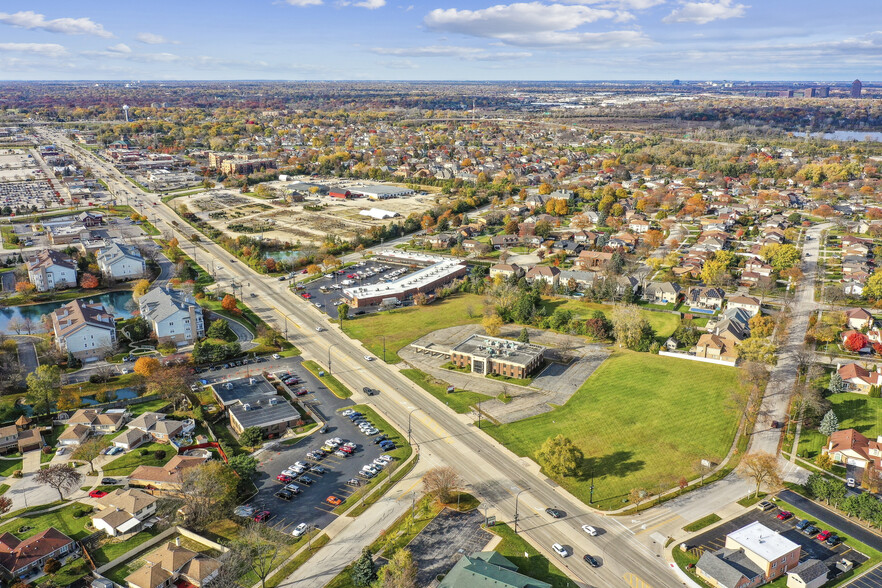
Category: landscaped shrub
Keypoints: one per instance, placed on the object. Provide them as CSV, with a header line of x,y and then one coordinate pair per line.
x,y
52,565
143,451
159,454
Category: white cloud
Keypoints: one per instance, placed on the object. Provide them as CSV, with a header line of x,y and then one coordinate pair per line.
x,y
120,48
705,12
68,26
371,4
467,53
505,20
154,39
619,4
304,2
48,49
582,41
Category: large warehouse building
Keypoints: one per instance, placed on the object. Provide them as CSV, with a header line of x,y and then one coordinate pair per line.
x,y
423,281
378,192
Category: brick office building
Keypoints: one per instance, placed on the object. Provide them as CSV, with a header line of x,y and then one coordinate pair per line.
x,y
490,355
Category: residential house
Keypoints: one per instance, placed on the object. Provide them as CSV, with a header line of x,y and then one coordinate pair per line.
x,y
50,270
705,297
582,279
85,330
851,448
90,219
20,558
545,273
173,565
124,511
504,241
752,556
164,478
121,262
98,423
627,285
29,440
506,270
157,426
854,287
173,315
639,225
661,292
859,379
571,248
74,435
732,324
749,304
131,438
758,267
859,319
585,237
625,241
812,573
473,246
594,261
441,241
486,569
8,438
712,346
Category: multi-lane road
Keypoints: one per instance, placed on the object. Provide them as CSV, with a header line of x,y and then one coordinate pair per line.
x,y
496,476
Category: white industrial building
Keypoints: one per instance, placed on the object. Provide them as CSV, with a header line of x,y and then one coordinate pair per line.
x,y
378,192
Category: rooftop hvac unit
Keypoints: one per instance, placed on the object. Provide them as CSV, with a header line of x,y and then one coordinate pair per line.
x,y
228,385
273,401
246,407
252,381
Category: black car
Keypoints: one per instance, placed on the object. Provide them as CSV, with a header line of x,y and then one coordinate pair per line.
x,y
370,391
305,480
833,540
379,439
591,561
387,445
554,513
810,530
318,469
285,494
108,481
803,524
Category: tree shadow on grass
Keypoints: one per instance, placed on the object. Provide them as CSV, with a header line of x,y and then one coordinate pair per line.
x,y
857,410
618,464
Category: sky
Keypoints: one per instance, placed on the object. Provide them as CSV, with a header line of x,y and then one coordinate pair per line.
x,y
813,40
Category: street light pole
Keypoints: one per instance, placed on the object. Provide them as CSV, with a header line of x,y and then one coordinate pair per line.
x,y
517,497
408,425
591,496
384,348
329,357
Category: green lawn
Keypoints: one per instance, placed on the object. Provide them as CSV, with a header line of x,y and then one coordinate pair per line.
x,y
664,323
460,400
702,523
67,575
7,466
126,464
330,382
639,419
113,548
405,325
62,519
529,561
854,411
150,406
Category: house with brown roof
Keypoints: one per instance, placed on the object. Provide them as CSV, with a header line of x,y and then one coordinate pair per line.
x,y
747,303
124,511
545,273
22,557
49,270
74,435
712,346
99,423
157,426
167,477
172,563
506,270
30,440
859,318
594,261
859,379
504,241
8,438
131,438
851,448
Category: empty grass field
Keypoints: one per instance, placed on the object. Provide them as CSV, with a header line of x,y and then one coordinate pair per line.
x,y
640,420
405,325
854,411
459,400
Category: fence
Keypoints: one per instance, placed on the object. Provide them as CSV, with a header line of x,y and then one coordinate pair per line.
x,y
170,532
696,358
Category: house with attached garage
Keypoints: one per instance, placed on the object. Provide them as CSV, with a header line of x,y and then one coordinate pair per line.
x,y
121,262
506,270
705,297
858,318
749,304
545,273
20,558
99,423
851,448
124,511
85,330
661,292
157,426
859,379
173,565
174,316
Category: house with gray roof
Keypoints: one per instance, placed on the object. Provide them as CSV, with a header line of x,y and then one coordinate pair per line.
x,y
811,573
487,569
121,262
83,329
661,292
174,316
728,568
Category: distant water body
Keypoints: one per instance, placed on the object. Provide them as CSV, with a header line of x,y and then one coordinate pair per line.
x,y
846,135
115,302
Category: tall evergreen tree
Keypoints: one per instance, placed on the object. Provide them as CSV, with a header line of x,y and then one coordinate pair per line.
x,y
829,424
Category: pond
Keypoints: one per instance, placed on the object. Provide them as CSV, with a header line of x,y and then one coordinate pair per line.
x,y
121,394
285,255
115,302
846,135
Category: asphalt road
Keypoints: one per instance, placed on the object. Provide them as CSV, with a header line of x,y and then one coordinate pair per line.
x,y
494,474
832,519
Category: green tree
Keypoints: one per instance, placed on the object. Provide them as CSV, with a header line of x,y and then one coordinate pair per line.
x,y
210,488
400,572
220,329
251,437
342,313
524,337
89,450
244,465
837,385
630,327
364,570
560,455
829,424
543,229
44,384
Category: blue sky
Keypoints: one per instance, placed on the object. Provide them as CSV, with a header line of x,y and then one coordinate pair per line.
x,y
441,40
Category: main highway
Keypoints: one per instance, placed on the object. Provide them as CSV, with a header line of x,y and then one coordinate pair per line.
x,y
503,481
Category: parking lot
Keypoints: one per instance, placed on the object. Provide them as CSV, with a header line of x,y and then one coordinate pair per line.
x,y
25,195
811,548
447,538
310,506
327,291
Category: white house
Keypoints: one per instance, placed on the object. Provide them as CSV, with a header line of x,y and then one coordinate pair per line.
x,y
121,262
173,315
123,511
86,330
49,270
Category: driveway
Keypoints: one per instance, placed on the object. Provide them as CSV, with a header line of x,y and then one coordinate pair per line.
x,y
246,339
27,356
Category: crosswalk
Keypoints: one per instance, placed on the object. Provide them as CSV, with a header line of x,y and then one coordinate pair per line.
x,y
649,524
635,581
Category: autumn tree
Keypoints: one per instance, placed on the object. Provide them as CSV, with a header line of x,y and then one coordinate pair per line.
x,y
761,326
637,495
654,238
441,482
492,324
210,488
630,327
62,477
263,547
762,468
560,455
544,188
856,341
757,349
313,269
26,289
89,450
146,366
43,388
171,384
68,400
399,572
89,281
140,288
229,303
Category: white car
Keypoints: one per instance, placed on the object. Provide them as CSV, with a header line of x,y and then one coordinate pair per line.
x,y
849,482
386,458
299,464
347,412
299,530
560,550
276,356
380,463
290,473
590,530
368,358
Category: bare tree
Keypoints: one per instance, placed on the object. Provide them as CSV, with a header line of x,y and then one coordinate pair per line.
x,y
62,477
441,482
261,548
762,468
637,495
89,450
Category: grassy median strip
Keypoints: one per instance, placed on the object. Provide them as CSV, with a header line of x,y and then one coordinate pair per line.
x,y
293,565
330,382
702,523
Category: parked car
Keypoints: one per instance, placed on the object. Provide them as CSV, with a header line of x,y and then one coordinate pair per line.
x,y
554,513
284,478
560,550
591,561
833,540
823,535
339,453
108,481
97,494
765,505
810,530
379,439
803,524
300,529
784,515
317,469
353,482
850,482
333,500
293,488
262,516
284,495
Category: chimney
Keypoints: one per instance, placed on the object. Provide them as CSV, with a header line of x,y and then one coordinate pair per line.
x,y
178,541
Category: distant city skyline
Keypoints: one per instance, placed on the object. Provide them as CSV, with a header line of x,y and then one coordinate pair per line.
x,y
446,40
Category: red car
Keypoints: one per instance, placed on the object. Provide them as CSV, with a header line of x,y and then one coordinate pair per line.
x,y
350,276
284,479
784,515
97,494
262,516
306,295
345,449
304,272
823,535
302,392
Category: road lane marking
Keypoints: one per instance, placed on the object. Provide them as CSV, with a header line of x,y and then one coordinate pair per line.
x,y
635,581
645,529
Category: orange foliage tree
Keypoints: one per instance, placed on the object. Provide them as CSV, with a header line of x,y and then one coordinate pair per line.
x,y
146,366
89,281
229,303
